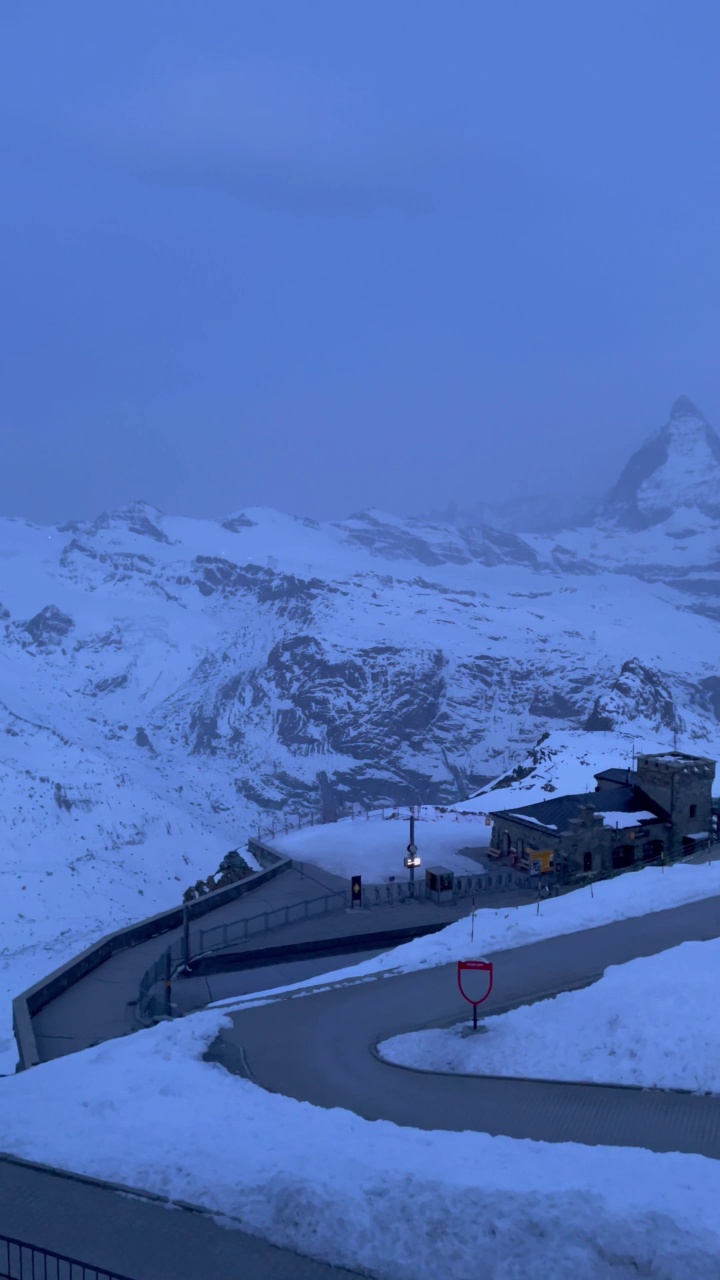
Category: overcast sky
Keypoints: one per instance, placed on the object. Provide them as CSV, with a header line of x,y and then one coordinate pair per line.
x,y
325,256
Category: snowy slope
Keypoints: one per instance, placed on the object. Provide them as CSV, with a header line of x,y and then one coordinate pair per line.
x,y
168,684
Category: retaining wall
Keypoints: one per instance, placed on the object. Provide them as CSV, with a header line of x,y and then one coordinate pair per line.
x,y
35,998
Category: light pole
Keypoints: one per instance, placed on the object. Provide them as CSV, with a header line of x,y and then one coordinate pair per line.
x,y
412,861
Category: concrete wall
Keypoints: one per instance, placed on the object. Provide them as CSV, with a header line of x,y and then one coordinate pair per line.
x,y
39,995
265,854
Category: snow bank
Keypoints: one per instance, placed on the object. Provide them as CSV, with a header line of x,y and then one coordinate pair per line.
x,y
644,1023
397,1203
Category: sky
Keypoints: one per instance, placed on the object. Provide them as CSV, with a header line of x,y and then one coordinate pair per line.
x,y
327,257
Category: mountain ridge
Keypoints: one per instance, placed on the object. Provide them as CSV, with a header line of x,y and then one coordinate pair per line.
x,y
168,683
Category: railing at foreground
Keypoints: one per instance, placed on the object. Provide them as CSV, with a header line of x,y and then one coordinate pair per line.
x,y
22,1261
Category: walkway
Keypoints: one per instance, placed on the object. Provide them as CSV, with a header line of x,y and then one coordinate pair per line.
x,y
320,1049
136,1235
101,1005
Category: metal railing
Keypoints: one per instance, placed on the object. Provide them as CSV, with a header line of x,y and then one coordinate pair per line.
x,y
152,1005
220,936
22,1261
464,886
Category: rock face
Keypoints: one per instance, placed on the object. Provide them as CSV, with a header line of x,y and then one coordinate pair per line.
x,y
677,467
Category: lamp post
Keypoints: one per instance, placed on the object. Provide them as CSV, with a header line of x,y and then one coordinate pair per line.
x,y
412,860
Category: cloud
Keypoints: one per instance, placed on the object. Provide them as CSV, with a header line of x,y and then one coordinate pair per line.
x,y
275,134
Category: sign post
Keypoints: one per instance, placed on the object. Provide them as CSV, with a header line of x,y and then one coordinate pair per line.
x,y
356,891
466,967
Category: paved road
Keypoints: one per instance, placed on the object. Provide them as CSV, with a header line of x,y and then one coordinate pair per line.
x,y
102,1005
137,1236
320,1049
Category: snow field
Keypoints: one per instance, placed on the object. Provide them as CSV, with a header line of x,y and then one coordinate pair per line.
x,y
644,1023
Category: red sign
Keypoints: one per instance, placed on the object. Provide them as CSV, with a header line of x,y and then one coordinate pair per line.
x,y
466,968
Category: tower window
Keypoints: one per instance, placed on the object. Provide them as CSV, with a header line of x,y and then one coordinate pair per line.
x,y
693,810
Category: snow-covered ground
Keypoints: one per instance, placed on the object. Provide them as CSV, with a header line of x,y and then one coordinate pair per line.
x,y
644,1023
166,684
396,1203
375,845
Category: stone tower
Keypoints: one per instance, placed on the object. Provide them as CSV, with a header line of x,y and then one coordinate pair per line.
x,y
681,784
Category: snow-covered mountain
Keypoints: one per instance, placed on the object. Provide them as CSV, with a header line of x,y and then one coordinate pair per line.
x,y
166,683
677,469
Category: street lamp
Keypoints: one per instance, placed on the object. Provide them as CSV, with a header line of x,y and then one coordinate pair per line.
x,y
412,860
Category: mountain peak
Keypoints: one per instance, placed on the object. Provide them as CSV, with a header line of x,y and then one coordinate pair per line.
x,y
683,408
677,467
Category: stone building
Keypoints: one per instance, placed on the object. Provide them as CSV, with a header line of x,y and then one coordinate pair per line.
x,y
661,809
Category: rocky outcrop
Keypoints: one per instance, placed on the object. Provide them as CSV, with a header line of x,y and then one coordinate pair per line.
x,y
637,694
49,628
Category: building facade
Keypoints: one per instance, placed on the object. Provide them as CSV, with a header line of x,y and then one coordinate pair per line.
x,y
660,810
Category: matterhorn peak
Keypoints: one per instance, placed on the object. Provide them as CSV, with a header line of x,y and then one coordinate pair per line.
x,y
683,408
677,467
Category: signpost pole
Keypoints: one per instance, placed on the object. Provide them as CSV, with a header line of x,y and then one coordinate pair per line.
x,y
484,966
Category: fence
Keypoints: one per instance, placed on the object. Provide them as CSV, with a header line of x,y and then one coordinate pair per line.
x,y
151,1006
21,1261
284,823
221,935
464,886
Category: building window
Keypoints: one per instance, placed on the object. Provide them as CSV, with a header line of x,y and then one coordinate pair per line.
x,y
693,810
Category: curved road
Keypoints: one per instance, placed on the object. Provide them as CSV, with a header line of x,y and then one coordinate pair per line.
x,y
320,1048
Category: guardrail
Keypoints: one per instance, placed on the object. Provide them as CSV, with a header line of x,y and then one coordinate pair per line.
x,y
22,1261
220,935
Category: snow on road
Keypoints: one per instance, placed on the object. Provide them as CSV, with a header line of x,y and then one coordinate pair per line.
x,y
397,1203
644,1023
374,846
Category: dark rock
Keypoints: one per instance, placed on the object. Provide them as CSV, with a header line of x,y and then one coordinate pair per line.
x,y
235,523
49,627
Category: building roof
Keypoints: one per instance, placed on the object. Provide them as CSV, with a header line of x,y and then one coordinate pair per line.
x,y
556,814
623,777
678,758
